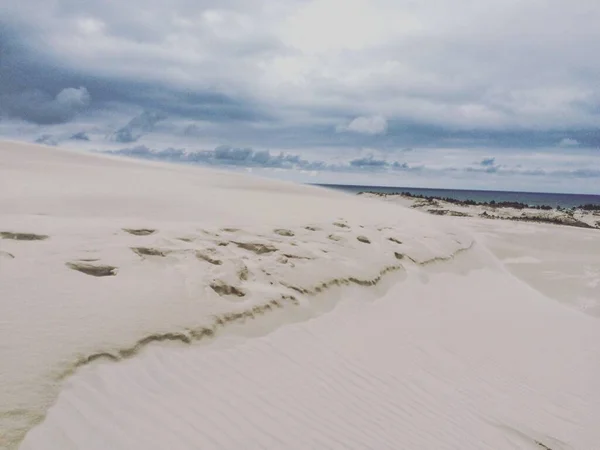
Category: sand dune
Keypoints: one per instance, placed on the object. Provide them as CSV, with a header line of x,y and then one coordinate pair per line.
x,y
156,306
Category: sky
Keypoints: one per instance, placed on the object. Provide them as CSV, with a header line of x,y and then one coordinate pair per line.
x,y
475,94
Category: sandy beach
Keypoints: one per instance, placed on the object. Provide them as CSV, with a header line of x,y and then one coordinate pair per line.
x,y
147,305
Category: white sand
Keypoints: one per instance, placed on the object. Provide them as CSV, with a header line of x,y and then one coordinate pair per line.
x,y
561,261
417,337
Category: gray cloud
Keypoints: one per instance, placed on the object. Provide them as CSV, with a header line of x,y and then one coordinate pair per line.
x,y
489,165
284,63
137,126
29,65
581,173
368,161
404,166
227,153
365,125
568,142
80,136
428,75
39,107
46,139
371,163
224,155
248,157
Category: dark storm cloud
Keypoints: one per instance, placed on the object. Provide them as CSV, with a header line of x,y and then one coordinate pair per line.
x,y
135,128
368,161
80,136
46,139
41,108
38,88
225,155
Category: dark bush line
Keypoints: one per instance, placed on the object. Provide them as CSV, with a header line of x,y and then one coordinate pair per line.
x,y
493,203
589,207
539,219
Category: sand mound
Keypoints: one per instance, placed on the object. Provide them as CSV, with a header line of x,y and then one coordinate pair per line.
x,y
279,335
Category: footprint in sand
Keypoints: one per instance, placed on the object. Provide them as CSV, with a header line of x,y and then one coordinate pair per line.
x,y
224,289
139,231
284,232
23,236
93,270
206,256
341,225
147,251
258,248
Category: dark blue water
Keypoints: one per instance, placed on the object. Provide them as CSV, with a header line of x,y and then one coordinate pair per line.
x,y
529,198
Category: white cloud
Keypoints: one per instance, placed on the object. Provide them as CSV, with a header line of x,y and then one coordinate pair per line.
x,y
358,24
568,142
89,26
365,125
73,97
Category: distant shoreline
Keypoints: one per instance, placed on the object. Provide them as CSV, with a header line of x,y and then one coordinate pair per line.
x,y
582,216
492,203
531,199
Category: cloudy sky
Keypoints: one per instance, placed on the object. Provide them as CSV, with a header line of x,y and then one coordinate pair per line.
x,y
491,94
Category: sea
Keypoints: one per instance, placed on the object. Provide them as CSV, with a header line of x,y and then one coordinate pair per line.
x,y
529,198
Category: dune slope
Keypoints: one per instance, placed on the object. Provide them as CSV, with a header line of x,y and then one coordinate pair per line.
x,y
152,306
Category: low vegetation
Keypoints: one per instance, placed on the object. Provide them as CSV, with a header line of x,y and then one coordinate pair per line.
x,y
589,207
